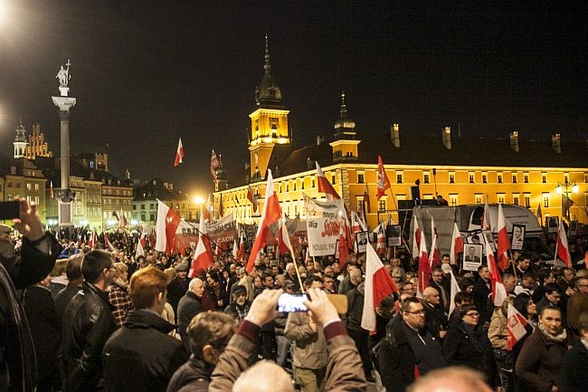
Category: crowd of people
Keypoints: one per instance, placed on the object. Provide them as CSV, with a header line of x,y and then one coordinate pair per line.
x,y
82,319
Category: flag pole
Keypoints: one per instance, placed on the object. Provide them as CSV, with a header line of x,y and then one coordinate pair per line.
x,y
556,245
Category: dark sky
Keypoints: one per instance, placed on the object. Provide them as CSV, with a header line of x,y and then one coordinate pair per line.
x,y
145,72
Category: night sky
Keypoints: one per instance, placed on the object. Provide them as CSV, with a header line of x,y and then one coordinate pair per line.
x,y
145,72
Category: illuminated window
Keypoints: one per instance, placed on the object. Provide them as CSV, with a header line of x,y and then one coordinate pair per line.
x,y
399,177
527,198
452,177
333,179
471,177
499,178
484,178
546,200
526,178
500,198
453,199
478,198
514,178
382,205
544,178
515,200
360,178
426,178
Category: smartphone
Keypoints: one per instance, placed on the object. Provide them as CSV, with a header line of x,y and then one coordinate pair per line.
x,y
291,303
9,210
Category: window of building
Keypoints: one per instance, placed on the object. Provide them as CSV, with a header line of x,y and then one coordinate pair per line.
x,y
484,178
499,178
360,178
382,205
333,179
526,178
515,200
471,177
452,177
478,198
586,178
500,198
312,182
546,200
527,198
399,177
453,199
359,204
514,178
152,217
29,186
142,206
273,122
544,178
426,178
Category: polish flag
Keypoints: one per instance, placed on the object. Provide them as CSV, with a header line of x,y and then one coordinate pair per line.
x,y
93,239
202,258
342,243
486,223
383,181
498,290
324,185
416,237
424,269
108,245
140,250
252,198
378,285
270,214
179,153
165,228
381,239
563,250
503,240
456,244
435,255
516,324
454,289
284,244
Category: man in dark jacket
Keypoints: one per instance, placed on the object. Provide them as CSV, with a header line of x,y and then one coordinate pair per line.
x,y
178,286
140,356
408,348
36,260
356,332
190,305
87,324
73,270
574,377
209,334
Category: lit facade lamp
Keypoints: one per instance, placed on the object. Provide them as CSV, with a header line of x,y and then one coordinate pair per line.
x,y
566,188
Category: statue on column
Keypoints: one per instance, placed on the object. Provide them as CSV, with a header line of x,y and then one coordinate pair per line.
x,y
63,75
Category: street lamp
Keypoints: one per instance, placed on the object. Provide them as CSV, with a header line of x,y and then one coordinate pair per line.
x,y
565,189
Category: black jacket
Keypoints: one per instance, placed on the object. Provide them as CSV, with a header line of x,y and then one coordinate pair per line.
x,y
175,291
190,305
63,299
140,356
574,377
17,362
87,324
193,376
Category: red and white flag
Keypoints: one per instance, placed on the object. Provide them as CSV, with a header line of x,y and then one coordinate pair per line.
x,y
241,251
416,237
140,250
378,285
252,198
165,228
270,214
498,291
108,245
324,186
383,181
424,269
503,240
516,324
284,244
435,255
214,164
122,220
456,244
342,242
486,221
202,258
563,249
179,153
93,240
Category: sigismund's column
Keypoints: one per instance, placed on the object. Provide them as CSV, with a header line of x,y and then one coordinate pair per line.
x,y
65,103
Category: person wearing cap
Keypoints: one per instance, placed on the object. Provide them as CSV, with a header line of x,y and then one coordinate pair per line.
x,y
178,285
6,244
239,306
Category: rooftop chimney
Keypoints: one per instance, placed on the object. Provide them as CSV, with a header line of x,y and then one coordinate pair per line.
x,y
447,138
514,140
395,135
556,143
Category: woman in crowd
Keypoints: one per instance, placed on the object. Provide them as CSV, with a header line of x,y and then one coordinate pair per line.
x,y
118,295
466,344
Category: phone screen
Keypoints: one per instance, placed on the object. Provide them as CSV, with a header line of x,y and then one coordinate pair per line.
x,y
291,303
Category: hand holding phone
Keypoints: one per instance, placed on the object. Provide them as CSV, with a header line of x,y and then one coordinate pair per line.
x,y
288,303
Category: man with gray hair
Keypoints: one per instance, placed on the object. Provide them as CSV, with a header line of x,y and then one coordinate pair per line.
x,y
188,307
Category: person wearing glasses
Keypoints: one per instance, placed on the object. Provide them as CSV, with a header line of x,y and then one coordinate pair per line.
x,y
88,322
466,344
408,349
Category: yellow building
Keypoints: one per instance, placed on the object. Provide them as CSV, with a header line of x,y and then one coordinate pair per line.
x,y
508,170
22,179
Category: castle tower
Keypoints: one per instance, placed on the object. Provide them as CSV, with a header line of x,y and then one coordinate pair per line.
x,y
20,141
345,145
269,122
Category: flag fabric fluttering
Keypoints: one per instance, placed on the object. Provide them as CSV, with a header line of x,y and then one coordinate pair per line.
x,y
486,221
416,237
435,255
503,240
563,249
179,154
93,240
539,215
342,242
424,269
214,164
283,237
165,228
378,285
498,290
122,220
202,258
324,186
456,244
241,252
566,204
252,198
270,214
140,249
516,324
383,181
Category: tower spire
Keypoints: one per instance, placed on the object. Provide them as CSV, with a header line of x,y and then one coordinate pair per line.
x,y
343,106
